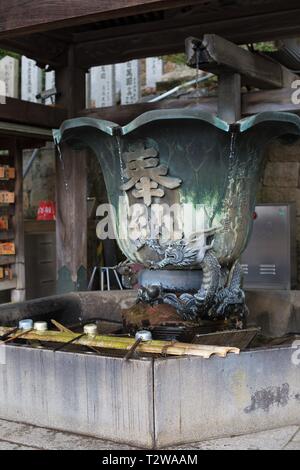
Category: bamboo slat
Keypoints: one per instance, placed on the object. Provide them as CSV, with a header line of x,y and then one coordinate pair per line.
x,y
109,342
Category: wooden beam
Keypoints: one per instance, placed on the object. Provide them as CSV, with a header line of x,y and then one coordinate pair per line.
x,y
42,15
235,20
124,114
273,100
217,55
138,46
106,46
33,114
10,129
71,190
256,21
45,50
252,103
24,142
71,221
70,83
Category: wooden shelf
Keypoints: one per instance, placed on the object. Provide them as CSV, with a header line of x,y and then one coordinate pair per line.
x,y
7,209
15,232
42,226
7,259
7,285
6,235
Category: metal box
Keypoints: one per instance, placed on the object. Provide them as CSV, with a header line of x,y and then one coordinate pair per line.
x,y
269,261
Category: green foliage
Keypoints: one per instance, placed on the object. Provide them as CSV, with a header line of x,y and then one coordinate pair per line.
x,y
175,58
261,46
4,53
265,46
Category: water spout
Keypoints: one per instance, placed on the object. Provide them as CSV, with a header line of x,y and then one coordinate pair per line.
x,y
119,153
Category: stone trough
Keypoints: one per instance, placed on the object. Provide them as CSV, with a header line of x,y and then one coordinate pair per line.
x,y
149,402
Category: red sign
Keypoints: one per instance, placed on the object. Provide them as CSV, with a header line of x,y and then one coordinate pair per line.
x,y
46,211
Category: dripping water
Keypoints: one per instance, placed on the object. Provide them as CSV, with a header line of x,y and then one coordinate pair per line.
x,y
197,73
232,147
66,184
232,157
119,151
229,181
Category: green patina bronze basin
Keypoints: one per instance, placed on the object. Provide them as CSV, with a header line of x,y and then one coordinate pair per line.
x,y
189,159
183,157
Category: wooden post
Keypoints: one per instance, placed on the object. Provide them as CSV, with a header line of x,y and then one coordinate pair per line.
x,y
18,294
235,65
229,97
217,55
71,188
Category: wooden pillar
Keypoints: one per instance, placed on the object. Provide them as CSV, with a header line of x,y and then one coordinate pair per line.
x,y
71,189
18,294
229,97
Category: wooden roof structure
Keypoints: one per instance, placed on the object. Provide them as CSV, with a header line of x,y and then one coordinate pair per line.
x,y
111,31
70,36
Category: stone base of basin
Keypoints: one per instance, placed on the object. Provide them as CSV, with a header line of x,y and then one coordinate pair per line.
x,y
147,402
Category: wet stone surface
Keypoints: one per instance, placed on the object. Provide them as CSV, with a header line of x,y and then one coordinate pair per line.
x,y
16,436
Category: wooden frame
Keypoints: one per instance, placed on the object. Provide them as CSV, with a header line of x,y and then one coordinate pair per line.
x,y
42,15
252,103
15,139
32,114
217,55
71,189
15,234
151,27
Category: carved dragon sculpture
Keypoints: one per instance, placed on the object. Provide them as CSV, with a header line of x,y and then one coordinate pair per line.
x,y
214,299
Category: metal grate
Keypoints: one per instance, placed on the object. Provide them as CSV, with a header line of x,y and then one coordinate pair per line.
x,y
245,268
267,269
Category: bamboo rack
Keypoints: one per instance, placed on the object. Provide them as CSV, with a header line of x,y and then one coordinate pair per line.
x,y
110,342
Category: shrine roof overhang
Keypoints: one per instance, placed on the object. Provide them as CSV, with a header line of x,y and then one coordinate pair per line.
x,y
9,128
27,136
116,31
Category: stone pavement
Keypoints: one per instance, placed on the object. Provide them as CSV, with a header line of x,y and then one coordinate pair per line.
x,y
16,436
